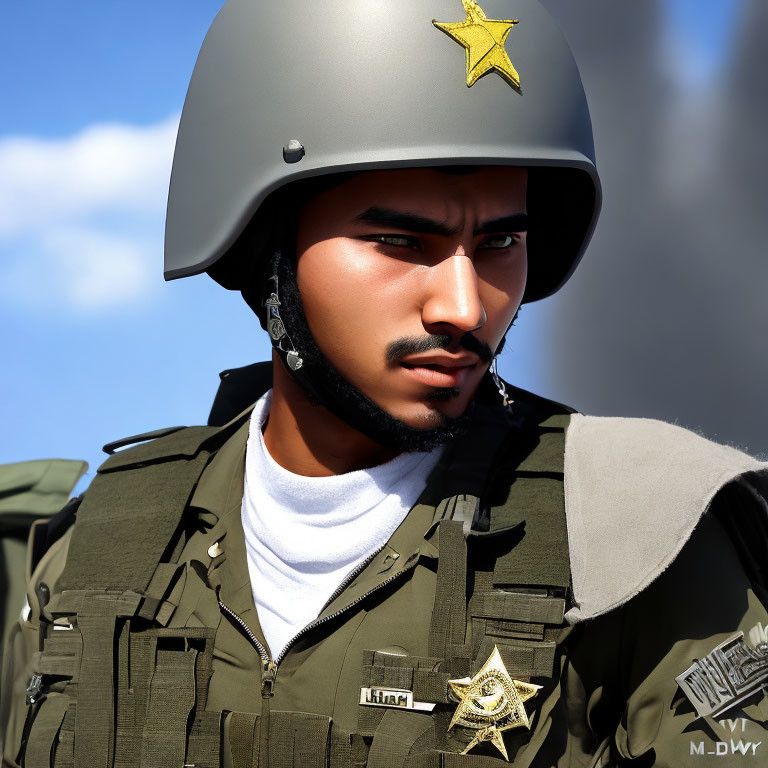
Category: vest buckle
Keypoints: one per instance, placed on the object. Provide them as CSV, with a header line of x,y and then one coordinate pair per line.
x,y
35,690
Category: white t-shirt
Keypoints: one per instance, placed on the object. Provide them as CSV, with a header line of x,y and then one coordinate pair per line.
x,y
303,535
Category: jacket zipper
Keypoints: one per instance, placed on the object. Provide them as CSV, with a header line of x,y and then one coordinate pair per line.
x,y
269,667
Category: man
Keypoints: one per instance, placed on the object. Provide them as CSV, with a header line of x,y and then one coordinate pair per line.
x,y
393,558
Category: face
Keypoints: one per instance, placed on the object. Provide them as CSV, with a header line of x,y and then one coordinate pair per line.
x,y
408,277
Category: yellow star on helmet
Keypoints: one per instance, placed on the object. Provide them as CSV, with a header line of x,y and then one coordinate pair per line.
x,y
491,702
483,40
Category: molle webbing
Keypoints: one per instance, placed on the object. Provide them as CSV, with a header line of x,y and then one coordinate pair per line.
x,y
520,564
521,498
117,569
526,494
127,519
449,612
295,739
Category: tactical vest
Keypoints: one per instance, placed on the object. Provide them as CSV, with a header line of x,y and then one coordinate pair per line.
x,y
115,686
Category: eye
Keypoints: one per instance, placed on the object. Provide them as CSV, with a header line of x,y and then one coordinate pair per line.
x,y
396,241
499,242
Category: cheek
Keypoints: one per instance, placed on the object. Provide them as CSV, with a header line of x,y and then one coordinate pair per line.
x,y
501,289
347,288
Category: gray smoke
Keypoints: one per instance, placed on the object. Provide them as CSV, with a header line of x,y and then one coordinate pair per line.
x,y
667,317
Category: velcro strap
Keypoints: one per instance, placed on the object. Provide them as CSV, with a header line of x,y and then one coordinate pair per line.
x,y
427,677
431,686
243,739
347,750
158,586
204,750
523,659
61,655
391,677
538,609
449,613
42,737
529,487
298,739
94,721
522,629
396,737
165,724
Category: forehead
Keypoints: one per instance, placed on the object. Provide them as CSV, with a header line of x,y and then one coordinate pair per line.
x,y
440,194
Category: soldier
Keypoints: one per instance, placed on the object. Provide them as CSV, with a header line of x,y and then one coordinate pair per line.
x,y
394,558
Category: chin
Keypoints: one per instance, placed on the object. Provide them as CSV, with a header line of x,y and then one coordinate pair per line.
x,y
430,416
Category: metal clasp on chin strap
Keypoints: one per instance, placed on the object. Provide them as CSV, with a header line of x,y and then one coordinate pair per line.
x,y
276,329
505,399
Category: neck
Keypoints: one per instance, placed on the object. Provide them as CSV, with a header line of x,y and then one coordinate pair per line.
x,y
307,439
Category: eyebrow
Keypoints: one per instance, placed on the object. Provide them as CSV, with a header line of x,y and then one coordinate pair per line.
x,y
411,222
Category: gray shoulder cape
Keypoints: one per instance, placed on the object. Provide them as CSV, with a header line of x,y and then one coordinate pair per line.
x,y
635,489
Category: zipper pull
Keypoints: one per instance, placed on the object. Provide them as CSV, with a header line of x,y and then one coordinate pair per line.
x,y
268,675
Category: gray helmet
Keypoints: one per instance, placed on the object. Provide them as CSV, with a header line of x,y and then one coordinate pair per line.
x,y
285,91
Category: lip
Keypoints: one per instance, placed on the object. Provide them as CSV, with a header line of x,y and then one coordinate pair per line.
x,y
441,360
439,370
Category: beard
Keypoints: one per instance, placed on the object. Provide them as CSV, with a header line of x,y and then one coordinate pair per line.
x,y
327,387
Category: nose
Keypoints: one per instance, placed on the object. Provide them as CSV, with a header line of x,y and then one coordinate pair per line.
x,y
453,297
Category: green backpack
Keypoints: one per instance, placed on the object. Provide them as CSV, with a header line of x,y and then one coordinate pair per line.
x,y
31,493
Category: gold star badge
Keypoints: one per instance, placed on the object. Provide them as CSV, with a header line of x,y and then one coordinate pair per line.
x,y
491,702
483,40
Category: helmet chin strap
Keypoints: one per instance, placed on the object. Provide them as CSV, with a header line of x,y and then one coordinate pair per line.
x,y
276,329
500,386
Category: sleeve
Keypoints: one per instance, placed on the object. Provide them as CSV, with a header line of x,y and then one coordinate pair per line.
x,y
705,598
23,644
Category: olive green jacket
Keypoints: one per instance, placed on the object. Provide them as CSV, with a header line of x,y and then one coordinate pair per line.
x,y
207,691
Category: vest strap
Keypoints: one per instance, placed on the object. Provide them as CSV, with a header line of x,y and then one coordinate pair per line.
x,y
396,737
45,731
171,698
448,628
295,739
244,739
94,721
537,609
204,750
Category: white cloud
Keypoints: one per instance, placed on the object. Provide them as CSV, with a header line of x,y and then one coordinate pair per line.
x,y
81,217
103,168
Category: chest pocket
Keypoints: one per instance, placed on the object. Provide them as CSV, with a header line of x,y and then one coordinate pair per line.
x,y
162,679
524,626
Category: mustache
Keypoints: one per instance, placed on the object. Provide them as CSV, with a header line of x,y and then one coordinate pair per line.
x,y
411,345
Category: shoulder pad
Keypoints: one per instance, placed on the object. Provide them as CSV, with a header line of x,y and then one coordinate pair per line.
x,y
170,444
635,489
111,448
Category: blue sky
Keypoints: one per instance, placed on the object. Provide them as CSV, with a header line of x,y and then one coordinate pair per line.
x,y
95,345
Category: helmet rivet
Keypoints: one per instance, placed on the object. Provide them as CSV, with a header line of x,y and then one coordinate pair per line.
x,y
293,151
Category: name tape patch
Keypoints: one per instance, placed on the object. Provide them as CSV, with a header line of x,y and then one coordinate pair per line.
x,y
397,698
